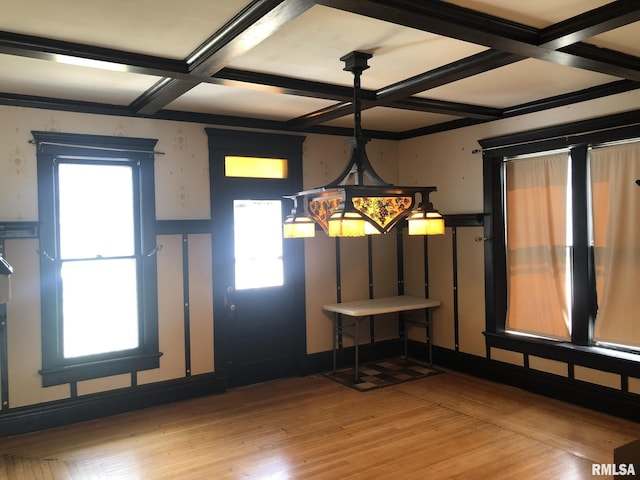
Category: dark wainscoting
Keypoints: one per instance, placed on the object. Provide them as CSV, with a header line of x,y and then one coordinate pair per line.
x,y
89,407
595,397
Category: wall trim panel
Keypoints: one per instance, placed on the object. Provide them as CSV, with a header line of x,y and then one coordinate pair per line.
x,y
79,409
589,395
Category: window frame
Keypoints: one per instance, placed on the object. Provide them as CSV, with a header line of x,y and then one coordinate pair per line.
x,y
138,153
576,137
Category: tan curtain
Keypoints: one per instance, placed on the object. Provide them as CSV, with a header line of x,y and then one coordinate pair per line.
x,y
616,237
536,246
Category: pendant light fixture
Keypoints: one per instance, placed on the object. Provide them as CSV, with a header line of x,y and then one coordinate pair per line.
x,y
359,202
298,224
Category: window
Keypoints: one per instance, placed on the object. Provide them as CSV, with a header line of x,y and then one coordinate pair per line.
x,y
96,238
616,242
97,244
538,242
255,167
257,239
563,263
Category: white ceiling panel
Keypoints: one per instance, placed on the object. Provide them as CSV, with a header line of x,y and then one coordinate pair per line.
x,y
624,39
518,83
266,105
27,76
311,47
381,118
161,28
538,13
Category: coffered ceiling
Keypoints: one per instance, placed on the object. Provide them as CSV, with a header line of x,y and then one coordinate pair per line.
x,y
436,65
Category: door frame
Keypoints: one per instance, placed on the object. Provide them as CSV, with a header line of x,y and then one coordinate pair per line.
x,y
224,142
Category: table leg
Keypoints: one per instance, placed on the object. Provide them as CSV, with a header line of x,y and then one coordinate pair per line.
x,y
405,334
335,335
357,377
430,339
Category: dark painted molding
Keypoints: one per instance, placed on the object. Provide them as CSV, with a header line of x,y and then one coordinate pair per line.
x,y
181,227
4,348
609,128
19,230
89,407
464,219
602,359
64,412
595,397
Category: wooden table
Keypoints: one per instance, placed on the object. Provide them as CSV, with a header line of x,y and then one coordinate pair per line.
x,y
361,309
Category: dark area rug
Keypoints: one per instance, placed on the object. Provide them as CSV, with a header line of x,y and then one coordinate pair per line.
x,y
382,373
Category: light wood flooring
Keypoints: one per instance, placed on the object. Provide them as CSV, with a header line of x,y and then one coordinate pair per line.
x,y
445,426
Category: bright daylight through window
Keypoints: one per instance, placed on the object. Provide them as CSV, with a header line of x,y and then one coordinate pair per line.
x,y
97,254
96,201
258,243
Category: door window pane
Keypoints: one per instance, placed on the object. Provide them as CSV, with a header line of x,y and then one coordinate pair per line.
x,y
258,243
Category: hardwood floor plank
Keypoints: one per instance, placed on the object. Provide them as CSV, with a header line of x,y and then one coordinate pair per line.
x,y
445,426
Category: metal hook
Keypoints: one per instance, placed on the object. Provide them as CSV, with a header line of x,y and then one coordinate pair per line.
x,y
155,251
46,255
482,239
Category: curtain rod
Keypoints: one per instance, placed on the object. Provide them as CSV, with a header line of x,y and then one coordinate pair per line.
x,y
557,137
124,150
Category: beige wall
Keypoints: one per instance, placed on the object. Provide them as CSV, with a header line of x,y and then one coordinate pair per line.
x,y
182,192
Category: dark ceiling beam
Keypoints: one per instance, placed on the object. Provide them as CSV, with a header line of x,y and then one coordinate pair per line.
x,y
604,55
557,101
443,107
286,85
589,24
418,104
174,71
585,95
458,70
399,95
448,20
440,127
325,114
254,24
451,21
579,27
220,49
74,53
48,103
110,59
576,28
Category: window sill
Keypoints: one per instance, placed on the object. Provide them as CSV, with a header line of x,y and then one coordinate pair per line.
x,y
98,369
598,358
